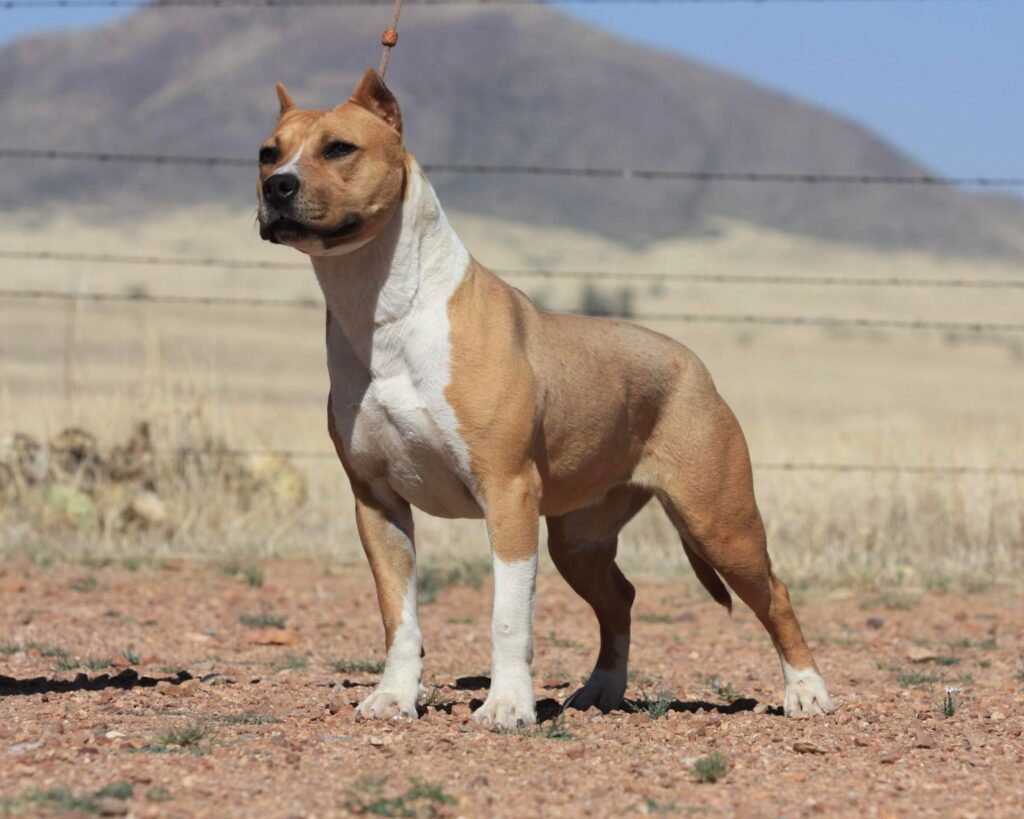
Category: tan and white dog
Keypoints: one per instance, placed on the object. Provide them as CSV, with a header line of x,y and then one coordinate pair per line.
x,y
452,392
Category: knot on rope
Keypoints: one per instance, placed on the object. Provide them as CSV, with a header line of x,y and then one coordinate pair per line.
x,y
389,39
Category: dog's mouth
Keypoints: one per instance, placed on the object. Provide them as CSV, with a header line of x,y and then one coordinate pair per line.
x,y
283,230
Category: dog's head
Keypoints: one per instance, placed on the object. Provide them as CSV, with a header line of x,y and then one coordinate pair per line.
x,y
330,180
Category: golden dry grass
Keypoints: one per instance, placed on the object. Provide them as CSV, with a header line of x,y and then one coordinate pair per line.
x,y
257,378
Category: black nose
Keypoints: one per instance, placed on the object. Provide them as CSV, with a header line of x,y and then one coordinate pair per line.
x,y
280,188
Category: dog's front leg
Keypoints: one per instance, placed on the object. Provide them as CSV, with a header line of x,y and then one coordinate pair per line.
x,y
386,530
512,523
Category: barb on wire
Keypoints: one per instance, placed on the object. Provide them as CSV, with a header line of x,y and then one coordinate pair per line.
x,y
739,177
540,273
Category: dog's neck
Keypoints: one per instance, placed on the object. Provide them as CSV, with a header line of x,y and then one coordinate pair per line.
x,y
415,261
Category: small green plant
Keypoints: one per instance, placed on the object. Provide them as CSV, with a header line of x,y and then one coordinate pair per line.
x,y
946,660
9,648
83,584
422,799
561,642
293,662
131,657
915,678
650,806
723,690
433,580
158,793
710,768
188,736
556,728
655,708
253,576
96,663
265,619
249,719
357,666
951,701
117,790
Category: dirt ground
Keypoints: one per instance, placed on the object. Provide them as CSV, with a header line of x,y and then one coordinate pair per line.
x,y
197,690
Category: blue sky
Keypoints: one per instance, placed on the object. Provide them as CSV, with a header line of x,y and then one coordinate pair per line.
x,y
941,80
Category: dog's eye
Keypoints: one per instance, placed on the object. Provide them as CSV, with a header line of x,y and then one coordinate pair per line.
x,y
338,149
268,156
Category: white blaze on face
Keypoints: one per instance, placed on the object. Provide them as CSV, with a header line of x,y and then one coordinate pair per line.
x,y
292,166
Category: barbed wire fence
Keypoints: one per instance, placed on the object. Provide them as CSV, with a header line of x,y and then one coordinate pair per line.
x,y
973,328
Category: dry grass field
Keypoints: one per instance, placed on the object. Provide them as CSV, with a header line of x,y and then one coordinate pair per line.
x,y
253,378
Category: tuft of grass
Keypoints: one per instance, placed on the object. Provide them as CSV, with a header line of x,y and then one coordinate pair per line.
x,y
253,575
655,708
131,657
96,663
915,678
293,662
158,793
9,648
561,642
556,729
723,690
710,768
946,660
358,666
265,619
249,719
117,790
83,584
650,806
432,580
892,600
62,800
188,736
421,799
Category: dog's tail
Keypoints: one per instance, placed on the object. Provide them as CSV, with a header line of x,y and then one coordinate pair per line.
x,y
708,577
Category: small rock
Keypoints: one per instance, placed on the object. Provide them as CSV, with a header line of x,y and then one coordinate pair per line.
x,y
805,746
874,622
920,654
861,742
997,716
480,782
109,806
148,509
217,679
274,637
923,739
576,751
637,719
889,758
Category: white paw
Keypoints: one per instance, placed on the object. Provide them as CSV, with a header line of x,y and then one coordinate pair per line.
x,y
806,695
388,704
508,710
605,690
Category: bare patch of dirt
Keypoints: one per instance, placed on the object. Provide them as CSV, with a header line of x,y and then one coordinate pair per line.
x,y
188,690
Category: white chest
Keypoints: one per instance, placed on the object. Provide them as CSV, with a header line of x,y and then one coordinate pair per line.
x,y
395,422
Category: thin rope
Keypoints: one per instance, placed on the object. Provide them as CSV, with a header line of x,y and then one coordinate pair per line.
x,y
390,38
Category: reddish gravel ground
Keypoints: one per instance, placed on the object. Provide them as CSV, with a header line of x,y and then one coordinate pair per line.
x,y
200,713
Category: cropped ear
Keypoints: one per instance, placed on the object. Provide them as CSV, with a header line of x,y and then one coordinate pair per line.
x,y
287,103
374,96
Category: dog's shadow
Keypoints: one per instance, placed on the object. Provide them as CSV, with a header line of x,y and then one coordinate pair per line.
x,y
127,679
548,708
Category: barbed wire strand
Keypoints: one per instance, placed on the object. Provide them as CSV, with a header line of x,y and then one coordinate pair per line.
x,y
974,328
171,160
540,273
10,5
767,466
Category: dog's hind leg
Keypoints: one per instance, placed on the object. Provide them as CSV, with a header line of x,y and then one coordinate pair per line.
x,y
707,491
583,546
